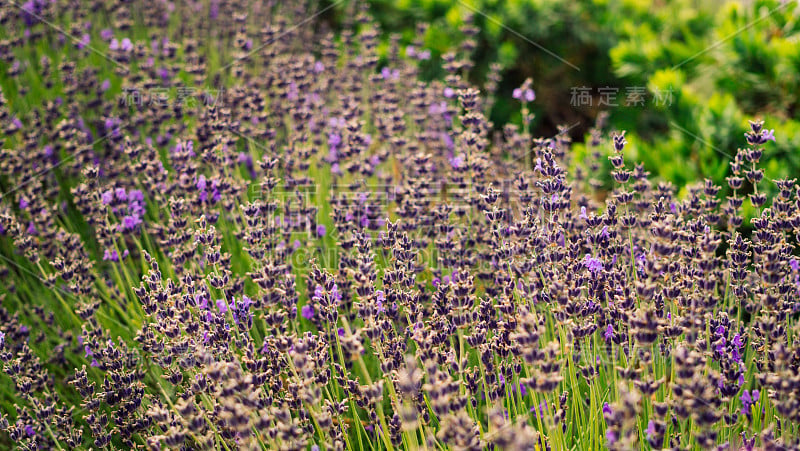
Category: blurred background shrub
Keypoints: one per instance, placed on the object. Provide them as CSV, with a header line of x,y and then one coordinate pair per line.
x,y
701,68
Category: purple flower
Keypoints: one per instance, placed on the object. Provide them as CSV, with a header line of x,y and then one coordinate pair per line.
x,y
542,408
611,436
2,339
437,108
651,429
130,222
106,34
111,255
213,10
126,45
321,230
201,301
84,41
135,196
606,410
307,311
448,141
30,10
527,94
29,430
374,160
735,356
16,123
747,401
609,334
387,73
107,197
222,306
593,264
337,122
334,140
640,260
293,92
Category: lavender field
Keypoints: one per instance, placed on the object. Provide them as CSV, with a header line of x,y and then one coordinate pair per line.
x,y
257,225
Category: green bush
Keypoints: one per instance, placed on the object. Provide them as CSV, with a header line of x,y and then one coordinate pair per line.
x,y
720,62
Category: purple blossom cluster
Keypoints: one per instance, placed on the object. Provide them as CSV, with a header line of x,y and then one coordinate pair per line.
x,y
343,256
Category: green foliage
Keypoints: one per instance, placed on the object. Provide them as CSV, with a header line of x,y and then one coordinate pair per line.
x,y
711,65
559,44
726,63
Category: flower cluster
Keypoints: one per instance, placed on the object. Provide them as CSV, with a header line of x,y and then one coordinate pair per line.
x,y
343,256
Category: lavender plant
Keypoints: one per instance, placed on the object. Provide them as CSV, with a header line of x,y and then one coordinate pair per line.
x,y
224,225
